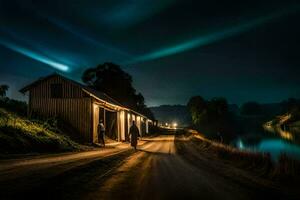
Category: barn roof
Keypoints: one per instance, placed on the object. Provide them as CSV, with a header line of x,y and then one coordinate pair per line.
x,y
92,92
102,96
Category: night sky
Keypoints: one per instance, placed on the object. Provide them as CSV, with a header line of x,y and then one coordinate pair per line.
x,y
241,50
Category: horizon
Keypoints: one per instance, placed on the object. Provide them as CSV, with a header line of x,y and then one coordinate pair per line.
x,y
14,93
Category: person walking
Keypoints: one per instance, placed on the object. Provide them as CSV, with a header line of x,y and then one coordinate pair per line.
x,y
101,133
134,133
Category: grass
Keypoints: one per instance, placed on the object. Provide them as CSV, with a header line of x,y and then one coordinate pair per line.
x,y
19,135
286,170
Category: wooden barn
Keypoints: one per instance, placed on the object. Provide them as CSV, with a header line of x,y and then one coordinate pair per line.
x,y
82,108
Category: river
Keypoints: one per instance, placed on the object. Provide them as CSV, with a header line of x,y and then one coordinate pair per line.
x,y
272,140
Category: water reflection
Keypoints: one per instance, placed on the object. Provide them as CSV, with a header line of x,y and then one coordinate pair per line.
x,y
277,146
273,146
275,141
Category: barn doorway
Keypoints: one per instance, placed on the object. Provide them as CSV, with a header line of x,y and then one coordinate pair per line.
x,y
111,124
110,121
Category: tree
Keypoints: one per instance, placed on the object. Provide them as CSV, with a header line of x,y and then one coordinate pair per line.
x,y
218,108
218,116
251,108
196,106
3,90
291,105
211,117
112,80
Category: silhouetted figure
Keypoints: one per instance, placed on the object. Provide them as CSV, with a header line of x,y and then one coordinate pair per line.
x,y
101,133
134,132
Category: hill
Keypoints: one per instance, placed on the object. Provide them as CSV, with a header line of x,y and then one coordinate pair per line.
x,y
21,135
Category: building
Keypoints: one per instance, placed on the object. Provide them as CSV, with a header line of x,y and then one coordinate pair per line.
x,y
82,108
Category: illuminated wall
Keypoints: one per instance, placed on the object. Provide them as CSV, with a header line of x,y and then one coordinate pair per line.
x,y
122,125
129,121
95,122
122,118
138,124
147,126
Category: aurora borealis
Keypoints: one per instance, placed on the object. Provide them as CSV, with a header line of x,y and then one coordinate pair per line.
x,y
35,56
216,35
240,50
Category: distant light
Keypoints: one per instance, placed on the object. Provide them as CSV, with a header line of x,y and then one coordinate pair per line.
x,y
175,124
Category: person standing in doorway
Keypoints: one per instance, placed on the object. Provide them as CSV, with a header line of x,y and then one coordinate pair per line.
x,y
134,133
101,132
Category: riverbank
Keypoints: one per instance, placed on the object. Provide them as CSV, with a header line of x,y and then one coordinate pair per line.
x,y
286,170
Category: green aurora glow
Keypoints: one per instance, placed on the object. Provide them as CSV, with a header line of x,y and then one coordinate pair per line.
x,y
214,36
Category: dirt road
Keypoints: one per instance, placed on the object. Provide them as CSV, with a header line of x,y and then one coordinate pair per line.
x,y
155,171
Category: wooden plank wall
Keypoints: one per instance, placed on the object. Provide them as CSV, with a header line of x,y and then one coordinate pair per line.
x,y
74,108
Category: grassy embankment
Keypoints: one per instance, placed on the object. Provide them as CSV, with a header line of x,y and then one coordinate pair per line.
x,y
285,170
19,135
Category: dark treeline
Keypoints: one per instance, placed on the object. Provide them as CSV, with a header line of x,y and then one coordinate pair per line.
x,y
19,107
16,106
3,90
290,105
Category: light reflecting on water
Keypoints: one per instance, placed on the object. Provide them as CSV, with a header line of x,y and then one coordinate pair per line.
x,y
275,147
278,146
273,139
286,135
